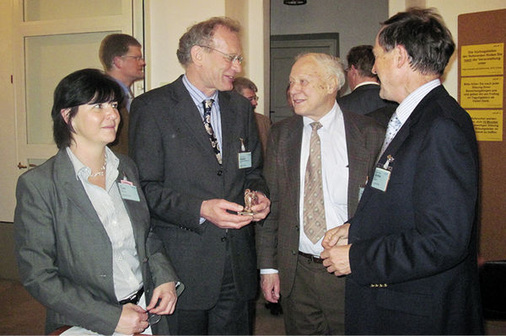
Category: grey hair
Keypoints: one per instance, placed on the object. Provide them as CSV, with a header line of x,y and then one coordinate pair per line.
x,y
331,65
202,34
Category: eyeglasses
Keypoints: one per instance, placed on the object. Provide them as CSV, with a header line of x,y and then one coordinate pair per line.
x,y
137,58
253,98
230,58
153,318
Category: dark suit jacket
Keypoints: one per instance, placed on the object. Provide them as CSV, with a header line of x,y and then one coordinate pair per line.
x,y
413,254
64,253
179,170
364,99
278,237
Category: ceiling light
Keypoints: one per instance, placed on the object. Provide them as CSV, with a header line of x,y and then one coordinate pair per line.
x,y
294,2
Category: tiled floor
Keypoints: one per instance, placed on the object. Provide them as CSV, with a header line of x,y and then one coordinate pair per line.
x,y
22,315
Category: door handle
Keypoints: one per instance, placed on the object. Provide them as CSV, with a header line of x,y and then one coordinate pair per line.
x,y
22,166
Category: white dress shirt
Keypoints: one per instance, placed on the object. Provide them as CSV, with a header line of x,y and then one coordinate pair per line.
x,y
335,173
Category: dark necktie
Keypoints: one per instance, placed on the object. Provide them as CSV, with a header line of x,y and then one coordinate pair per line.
x,y
314,207
208,103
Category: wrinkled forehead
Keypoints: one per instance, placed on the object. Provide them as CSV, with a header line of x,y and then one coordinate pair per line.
x,y
306,67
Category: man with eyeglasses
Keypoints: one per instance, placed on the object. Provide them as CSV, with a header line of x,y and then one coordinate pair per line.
x,y
121,57
197,148
248,90
365,86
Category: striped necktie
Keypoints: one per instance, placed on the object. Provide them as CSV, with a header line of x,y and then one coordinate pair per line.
x,y
208,104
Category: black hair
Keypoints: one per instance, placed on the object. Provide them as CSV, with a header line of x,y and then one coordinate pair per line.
x,y
86,86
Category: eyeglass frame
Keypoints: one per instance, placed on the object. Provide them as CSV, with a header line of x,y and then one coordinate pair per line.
x,y
230,58
137,58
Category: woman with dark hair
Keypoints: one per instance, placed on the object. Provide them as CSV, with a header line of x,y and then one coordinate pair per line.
x,y
82,235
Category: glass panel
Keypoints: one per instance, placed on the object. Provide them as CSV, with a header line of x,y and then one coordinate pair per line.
x,y
41,10
48,59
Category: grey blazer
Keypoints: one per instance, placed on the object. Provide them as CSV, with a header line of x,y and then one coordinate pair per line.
x,y
278,238
178,171
64,253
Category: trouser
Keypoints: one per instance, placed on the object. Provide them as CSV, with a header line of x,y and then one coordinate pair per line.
x,y
316,303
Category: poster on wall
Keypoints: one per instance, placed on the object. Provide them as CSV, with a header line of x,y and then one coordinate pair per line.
x,y
482,88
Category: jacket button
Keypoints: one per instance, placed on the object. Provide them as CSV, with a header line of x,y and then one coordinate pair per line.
x,y
223,239
297,228
294,252
220,172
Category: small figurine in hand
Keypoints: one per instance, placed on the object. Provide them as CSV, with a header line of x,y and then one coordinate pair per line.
x,y
250,199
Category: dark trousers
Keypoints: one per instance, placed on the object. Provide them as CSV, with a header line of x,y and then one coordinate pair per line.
x,y
230,315
316,303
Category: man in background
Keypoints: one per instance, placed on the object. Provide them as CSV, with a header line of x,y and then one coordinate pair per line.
x,y
196,144
364,97
316,163
248,89
410,251
121,57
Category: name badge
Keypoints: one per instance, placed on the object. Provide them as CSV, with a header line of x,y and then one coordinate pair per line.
x,y
128,192
382,175
244,160
380,179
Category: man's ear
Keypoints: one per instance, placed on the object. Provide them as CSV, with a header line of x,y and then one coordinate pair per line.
x,y
65,114
332,85
116,62
196,53
401,56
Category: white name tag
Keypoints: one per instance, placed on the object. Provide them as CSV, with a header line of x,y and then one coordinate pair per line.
x,y
244,159
128,192
381,178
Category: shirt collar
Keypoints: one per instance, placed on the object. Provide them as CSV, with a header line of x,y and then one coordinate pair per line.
x,y
84,171
408,105
197,95
365,83
334,113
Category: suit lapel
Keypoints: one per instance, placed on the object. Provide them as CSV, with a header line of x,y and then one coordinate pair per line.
x,y
358,160
189,115
292,166
73,188
135,210
405,130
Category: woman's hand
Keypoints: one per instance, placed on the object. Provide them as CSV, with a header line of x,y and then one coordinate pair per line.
x,y
164,299
133,320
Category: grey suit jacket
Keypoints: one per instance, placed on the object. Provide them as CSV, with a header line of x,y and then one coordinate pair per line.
x,y
278,237
178,171
64,253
